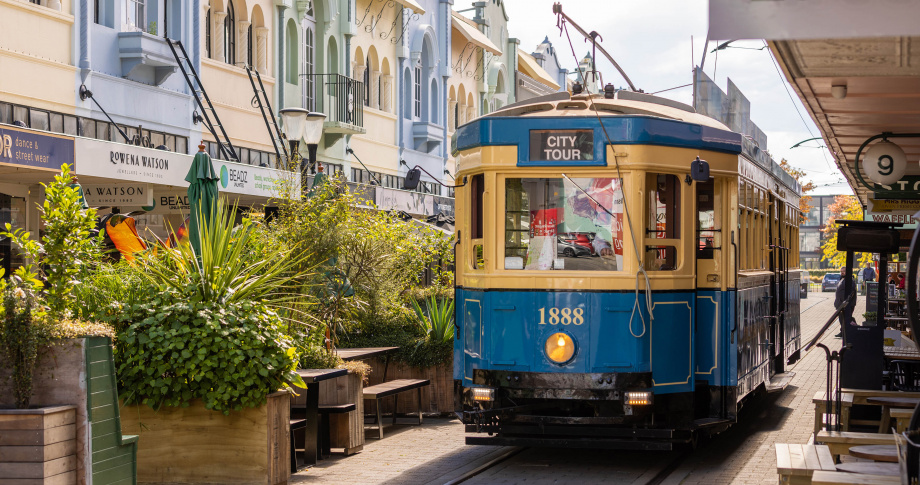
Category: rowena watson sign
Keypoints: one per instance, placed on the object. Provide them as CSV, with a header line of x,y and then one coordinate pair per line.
x,y
129,163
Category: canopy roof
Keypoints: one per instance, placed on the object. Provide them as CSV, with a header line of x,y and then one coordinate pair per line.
x,y
528,65
469,30
411,4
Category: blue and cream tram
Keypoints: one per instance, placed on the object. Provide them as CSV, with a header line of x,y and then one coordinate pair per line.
x,y
603,297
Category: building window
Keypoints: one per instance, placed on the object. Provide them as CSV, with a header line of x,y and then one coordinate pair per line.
x,y
249,46
418,92
367,81
229,35
135,11
308,69
207,33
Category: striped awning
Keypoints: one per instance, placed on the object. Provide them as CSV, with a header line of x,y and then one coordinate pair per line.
x,y
469,30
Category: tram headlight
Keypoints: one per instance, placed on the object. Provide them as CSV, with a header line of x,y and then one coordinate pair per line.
x,y
560,348
638,398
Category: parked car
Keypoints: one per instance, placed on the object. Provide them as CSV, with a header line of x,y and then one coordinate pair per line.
x,y
583,239
570,250
829,283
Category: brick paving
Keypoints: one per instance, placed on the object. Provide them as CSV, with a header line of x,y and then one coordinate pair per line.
x,y
436,453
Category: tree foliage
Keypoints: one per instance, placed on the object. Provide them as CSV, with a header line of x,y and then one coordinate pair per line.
x,y
845,207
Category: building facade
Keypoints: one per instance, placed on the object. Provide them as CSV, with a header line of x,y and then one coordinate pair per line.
x,y
811,237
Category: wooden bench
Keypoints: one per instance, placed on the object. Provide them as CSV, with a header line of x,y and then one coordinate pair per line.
x,y
393,388
901,417
296,424
324,429
861,396
795,464
820,401
840,442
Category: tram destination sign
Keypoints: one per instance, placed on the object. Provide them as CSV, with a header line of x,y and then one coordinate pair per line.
x,y
561,145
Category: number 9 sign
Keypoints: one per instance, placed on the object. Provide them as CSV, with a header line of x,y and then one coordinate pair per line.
x,y
884,163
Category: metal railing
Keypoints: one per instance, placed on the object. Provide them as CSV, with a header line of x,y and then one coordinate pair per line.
x,y
339,97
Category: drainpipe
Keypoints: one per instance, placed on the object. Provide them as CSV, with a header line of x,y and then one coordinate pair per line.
x,y
84,13
279,59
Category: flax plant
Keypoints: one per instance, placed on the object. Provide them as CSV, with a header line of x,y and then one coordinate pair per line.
x,y
437,321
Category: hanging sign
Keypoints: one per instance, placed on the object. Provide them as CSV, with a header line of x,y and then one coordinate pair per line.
x,y
132,194
23,147
884,163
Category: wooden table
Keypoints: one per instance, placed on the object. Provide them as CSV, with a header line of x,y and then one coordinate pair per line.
x,y
843,478
901,418
900,353
871,468
367,353
886,453
888,402
312,377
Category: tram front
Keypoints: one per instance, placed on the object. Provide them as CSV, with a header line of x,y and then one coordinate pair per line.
x,y
574,227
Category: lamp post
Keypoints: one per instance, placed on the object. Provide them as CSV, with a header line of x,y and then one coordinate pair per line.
x,y
300,124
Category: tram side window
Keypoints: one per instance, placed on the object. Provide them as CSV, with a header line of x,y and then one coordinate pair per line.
x,y
477,189
663,221
563,224
707,226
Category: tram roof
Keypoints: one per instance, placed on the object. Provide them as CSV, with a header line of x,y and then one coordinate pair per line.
x,y
629,118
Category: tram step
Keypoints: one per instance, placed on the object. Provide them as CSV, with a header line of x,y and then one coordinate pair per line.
x,y
711,422
779,381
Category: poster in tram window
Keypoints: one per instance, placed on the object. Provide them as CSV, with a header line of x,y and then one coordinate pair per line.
x,y
543,222
587,202
542,248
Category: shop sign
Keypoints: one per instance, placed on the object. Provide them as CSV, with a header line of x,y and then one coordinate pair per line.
x,y
169,204
133,194
561,145
411,202
897,206
138,164
22,147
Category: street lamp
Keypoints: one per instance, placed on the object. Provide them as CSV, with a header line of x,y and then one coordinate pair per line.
x,y
300,124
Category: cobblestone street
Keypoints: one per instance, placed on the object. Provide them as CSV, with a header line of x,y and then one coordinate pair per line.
x,y
435,453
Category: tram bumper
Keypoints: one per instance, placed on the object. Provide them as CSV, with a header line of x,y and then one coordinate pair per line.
x,y
590,410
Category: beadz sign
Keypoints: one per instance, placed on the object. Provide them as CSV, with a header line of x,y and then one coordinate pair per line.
x,y
561,145
28,148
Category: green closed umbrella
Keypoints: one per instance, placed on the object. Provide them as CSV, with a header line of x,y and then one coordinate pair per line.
x,y
202,195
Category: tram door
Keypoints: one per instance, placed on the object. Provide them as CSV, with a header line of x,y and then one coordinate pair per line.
x,y
709,349
778,270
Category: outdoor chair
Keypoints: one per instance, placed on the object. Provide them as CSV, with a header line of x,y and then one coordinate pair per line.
x,y
904,375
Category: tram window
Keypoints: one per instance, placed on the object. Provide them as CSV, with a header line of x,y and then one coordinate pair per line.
x,y
664,206
561,224
707,228
661,258
477,188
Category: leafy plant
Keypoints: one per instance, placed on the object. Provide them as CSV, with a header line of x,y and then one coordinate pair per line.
x,y
870,316
437,320
66,249
21,338
231,354
152,27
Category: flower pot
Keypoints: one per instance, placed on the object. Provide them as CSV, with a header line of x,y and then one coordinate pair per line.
x,y
193,445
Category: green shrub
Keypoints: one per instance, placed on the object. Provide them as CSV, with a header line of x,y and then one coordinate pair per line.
x,y
437,320
230,355
398,328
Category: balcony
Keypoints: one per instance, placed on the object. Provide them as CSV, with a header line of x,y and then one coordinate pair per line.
x,y
145,58
427,136
340,98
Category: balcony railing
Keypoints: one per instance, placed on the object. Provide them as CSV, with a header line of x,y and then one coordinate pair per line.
x,y
339,98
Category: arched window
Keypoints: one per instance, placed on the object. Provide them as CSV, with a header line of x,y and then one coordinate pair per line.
x,y
456,115
418,93
407,94
433,103
292,53
230,35
249,46
207,33
308,68
367,81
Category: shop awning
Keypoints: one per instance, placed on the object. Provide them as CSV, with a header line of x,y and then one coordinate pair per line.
x,y
528,65
411,4
472,33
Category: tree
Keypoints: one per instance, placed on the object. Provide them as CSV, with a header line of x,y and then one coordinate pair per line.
x,y
845,207
798,174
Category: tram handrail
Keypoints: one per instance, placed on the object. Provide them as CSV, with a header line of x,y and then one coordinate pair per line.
x,y
833,317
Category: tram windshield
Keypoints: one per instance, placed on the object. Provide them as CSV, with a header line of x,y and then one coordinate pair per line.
x,y
561,224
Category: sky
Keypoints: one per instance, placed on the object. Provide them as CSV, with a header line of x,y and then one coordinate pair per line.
x,y
651,41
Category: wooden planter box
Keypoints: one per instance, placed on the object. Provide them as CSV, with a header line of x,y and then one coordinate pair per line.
x,y
193,445
437,398
38,446
345,430
80,373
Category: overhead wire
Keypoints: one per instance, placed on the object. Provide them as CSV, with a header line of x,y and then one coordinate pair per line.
x,y
641,271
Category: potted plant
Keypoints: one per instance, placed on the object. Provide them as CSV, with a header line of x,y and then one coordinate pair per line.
x,y
870,318
46,353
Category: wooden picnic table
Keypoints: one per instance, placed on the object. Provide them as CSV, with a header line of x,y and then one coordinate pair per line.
x,y
888,402
901,418
822,477
362,353
885,453
312,378
871,468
